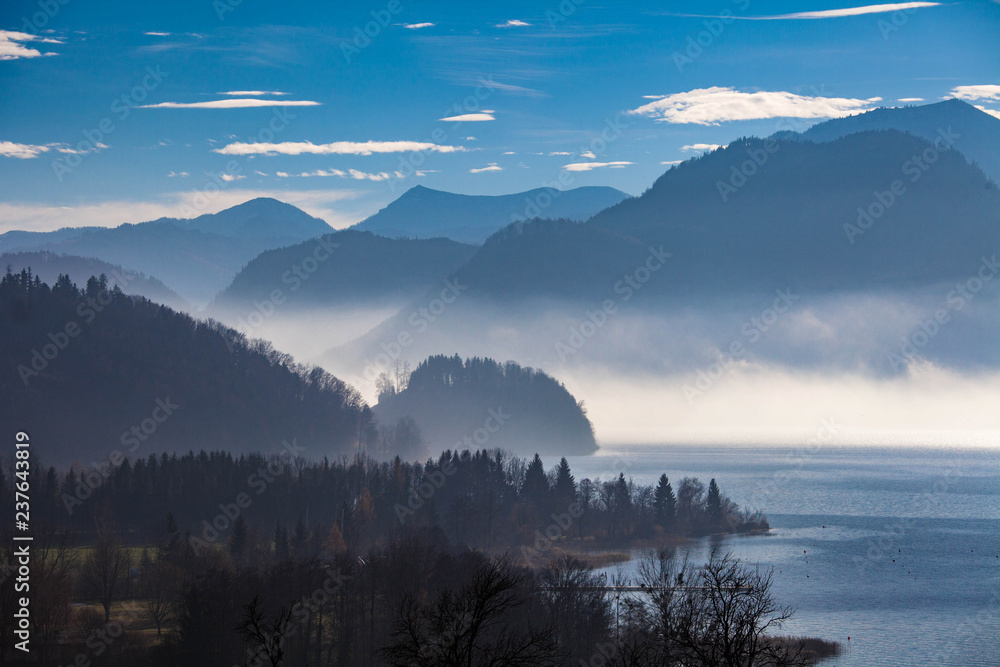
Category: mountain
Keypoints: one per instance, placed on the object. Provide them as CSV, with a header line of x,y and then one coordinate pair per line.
x,y
482,403
92,373
424,213
345,267
197,257
261,218
977,133
49,266
854,216
815,216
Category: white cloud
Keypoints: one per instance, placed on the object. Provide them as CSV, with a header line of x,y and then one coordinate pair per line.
x,y
252,93
231,104
335,148
229,178
417,26
590,155
710,106
672,162
508,153
492,167
984,92
560,153
157,34
259,173
470,117
21,151
587,166
513,23
910,99
28,151
701,147
992,112
829,13
350,173
178,174
850,11
12,49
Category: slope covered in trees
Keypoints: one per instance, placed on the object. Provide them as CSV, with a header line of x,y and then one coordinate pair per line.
x,y
196,257
348,267
479,401
48,266
90,372
977,133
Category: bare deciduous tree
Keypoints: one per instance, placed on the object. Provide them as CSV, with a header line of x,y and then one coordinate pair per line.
x,y
107,567
266,637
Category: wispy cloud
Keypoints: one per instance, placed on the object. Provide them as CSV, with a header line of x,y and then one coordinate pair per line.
x,y
229,178
157,34
335,148
910,99
417,26
701,147
513,23
485,114
355,174
238,103
588,166
590,155
21,151
710,106
178,174
559,153
491,167
992,112
516,90
28,151
671,162
252,93
983,92
827,13
11,47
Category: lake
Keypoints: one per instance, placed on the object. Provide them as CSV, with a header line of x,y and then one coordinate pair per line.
x,y
898,549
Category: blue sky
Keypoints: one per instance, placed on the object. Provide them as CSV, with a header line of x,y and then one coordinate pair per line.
x,y
122,112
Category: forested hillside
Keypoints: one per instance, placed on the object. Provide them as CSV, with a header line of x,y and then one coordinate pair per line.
x,y
92,371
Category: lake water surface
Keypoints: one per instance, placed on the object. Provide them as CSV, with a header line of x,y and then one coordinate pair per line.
x,y
898,549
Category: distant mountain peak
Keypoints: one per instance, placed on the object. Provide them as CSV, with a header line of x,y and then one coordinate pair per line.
x,y
977,132
423,212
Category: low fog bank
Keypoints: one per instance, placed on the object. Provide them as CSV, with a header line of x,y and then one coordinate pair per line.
x,y
766,405
768,368
877,334
306,333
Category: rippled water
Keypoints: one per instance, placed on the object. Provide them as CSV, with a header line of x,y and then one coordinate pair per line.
x,y
898,549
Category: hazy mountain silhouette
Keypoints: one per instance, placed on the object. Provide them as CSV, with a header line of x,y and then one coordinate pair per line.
x,y
346,267
809,218
978,133
91,371
424,213
197,257
816,215
49,266
260,218
480,402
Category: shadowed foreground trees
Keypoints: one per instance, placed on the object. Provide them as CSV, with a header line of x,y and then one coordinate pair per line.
x,y
481,624
720,615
